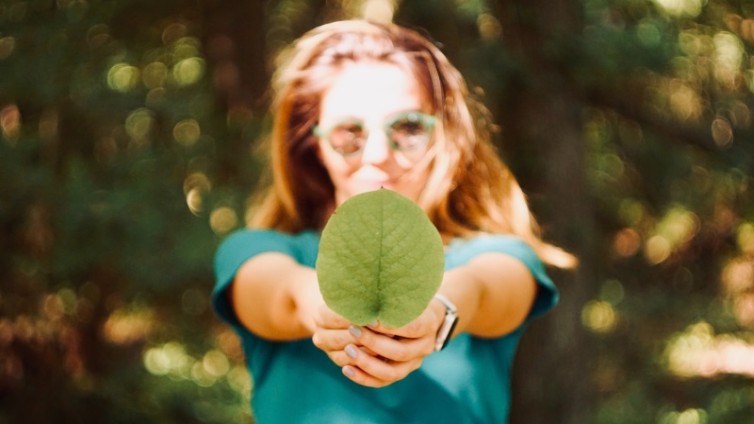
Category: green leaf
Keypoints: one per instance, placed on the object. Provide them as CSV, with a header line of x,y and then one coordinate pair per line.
x,y
380,259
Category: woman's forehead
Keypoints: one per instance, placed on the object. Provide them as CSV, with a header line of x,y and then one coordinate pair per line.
x,y
371,88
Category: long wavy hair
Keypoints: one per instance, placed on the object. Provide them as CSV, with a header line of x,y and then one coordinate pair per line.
x,y
469,190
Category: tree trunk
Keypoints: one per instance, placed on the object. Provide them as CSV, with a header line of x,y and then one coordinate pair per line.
x,y
541,119
234,42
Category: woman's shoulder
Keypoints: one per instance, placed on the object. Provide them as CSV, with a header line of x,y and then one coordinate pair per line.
x,y
462,250
243,244
268,239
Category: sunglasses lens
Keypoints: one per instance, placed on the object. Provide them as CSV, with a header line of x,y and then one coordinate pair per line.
x,y
409,132
348,138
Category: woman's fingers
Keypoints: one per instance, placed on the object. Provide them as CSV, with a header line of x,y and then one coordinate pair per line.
x,y
372,359
372,371
392,347
328,340
374,355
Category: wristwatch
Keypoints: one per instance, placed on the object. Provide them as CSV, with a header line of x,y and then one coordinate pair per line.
x,y
448,324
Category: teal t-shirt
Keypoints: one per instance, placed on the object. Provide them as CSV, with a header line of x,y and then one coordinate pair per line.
x,y
295,382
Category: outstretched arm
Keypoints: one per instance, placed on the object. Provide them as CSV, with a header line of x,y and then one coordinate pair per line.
x,y
275,297
494,293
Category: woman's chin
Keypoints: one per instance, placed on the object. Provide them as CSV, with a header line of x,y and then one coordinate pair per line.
x,y
366,187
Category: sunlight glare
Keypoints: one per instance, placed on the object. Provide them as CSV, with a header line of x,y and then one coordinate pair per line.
x,y
170,358
128,326
698,352
678,8
729,54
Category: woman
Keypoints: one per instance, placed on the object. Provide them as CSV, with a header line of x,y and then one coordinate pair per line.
x,y
359,106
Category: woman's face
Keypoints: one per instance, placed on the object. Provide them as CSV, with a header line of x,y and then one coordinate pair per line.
x,y
374,131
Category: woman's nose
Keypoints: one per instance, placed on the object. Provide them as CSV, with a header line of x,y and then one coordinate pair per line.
x,y
376,149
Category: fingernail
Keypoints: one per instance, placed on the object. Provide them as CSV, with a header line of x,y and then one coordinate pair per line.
x,y
351,351
355,331
348,371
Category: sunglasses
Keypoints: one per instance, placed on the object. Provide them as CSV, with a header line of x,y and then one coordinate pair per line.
x,y
408,133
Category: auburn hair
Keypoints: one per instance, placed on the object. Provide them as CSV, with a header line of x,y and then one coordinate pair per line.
x,y
469,191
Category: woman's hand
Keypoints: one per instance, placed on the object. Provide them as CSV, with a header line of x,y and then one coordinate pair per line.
x,y
374,355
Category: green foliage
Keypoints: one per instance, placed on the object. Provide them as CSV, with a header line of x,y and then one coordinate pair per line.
x,y
380,259
125,135
106,113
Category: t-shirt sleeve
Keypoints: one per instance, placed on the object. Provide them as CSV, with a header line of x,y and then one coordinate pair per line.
x,y
233,252
547,295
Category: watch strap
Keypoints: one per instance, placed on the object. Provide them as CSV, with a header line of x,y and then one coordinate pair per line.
x,y
448,323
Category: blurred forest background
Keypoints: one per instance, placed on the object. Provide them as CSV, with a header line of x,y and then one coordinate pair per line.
x,y
128,132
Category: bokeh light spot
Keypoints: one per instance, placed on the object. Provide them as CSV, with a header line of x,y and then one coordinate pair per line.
x,y
698,352
239,379
599,316
185,48
195,187
188,71
170,358
612,291
648,33
139,123
489,27
690,8
631,212
722,132
173,32
123,77
657,249
223,219
729,54
187,132
126,326
626,242
215,363
688,416
743,309
685,101
195,201
7,46
745,238
738,276
10,123
200,376
155,75
98,35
